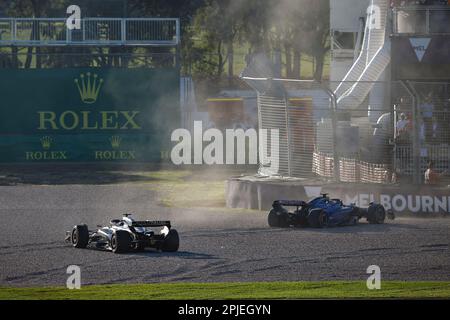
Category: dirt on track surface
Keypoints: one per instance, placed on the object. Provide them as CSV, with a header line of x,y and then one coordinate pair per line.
x,y
217,245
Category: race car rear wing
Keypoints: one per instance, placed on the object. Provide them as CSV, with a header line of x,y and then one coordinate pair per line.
x,y
289,203
151,224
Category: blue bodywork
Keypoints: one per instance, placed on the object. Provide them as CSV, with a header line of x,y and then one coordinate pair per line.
x,y
337,212
323,212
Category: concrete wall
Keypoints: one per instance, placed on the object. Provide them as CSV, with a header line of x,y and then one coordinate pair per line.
x,y
259,194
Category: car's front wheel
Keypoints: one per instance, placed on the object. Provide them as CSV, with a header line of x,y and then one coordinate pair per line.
x,y
120,241
376,214
80,236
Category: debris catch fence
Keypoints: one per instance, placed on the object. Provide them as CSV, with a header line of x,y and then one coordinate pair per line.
x,y
388,138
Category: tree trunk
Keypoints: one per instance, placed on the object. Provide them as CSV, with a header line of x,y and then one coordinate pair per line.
x,y
221,63
288,56
29,57
230,52
114,54
318,72
125,61
103,60
30,49
14,57
36,5
38,58
277,62
297,68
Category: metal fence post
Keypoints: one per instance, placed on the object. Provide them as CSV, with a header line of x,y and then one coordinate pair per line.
x,y
395,20
416,143
334,123
178,42
84,26
178,31
68,35
288,132
14,30
123,27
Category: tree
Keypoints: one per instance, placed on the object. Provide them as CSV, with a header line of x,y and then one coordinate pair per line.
x,y
256,18
182,9
292,27
286,17
301,26
317,32
217,25
211,30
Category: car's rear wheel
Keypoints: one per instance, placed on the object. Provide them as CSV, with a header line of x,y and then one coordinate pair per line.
x,y
120,241
317,218
277,219
80,236
376,214
273,219
171,242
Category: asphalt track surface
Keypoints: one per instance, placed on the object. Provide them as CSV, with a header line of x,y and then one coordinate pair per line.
x,y
216,246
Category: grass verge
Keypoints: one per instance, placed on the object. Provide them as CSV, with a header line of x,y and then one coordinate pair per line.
x,y
230,291
189,189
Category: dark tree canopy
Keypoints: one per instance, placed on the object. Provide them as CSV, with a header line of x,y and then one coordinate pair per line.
x,y
215,32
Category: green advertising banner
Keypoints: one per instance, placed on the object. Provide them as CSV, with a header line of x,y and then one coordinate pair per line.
x,y
87,115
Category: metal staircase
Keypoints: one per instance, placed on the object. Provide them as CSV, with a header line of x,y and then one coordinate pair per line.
x,y
372,61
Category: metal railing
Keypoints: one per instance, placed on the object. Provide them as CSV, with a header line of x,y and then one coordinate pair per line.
x,y
420,20
93,31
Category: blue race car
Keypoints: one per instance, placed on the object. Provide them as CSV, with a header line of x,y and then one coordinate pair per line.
x,y
324,212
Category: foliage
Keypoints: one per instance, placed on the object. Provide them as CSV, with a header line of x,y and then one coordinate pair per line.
x,y
212,31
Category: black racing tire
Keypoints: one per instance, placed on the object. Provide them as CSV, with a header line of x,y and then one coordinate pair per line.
x,y
273,219
171,242
80,236
390,214
317,218
121,241
376,214
277,219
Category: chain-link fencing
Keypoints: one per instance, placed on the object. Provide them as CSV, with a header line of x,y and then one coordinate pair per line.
x,y
387,135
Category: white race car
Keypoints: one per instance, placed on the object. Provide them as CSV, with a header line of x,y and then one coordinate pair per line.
x,y
125,235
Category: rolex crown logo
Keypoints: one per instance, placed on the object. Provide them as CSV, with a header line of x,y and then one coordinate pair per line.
x,y
115,141
46,142
89,86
